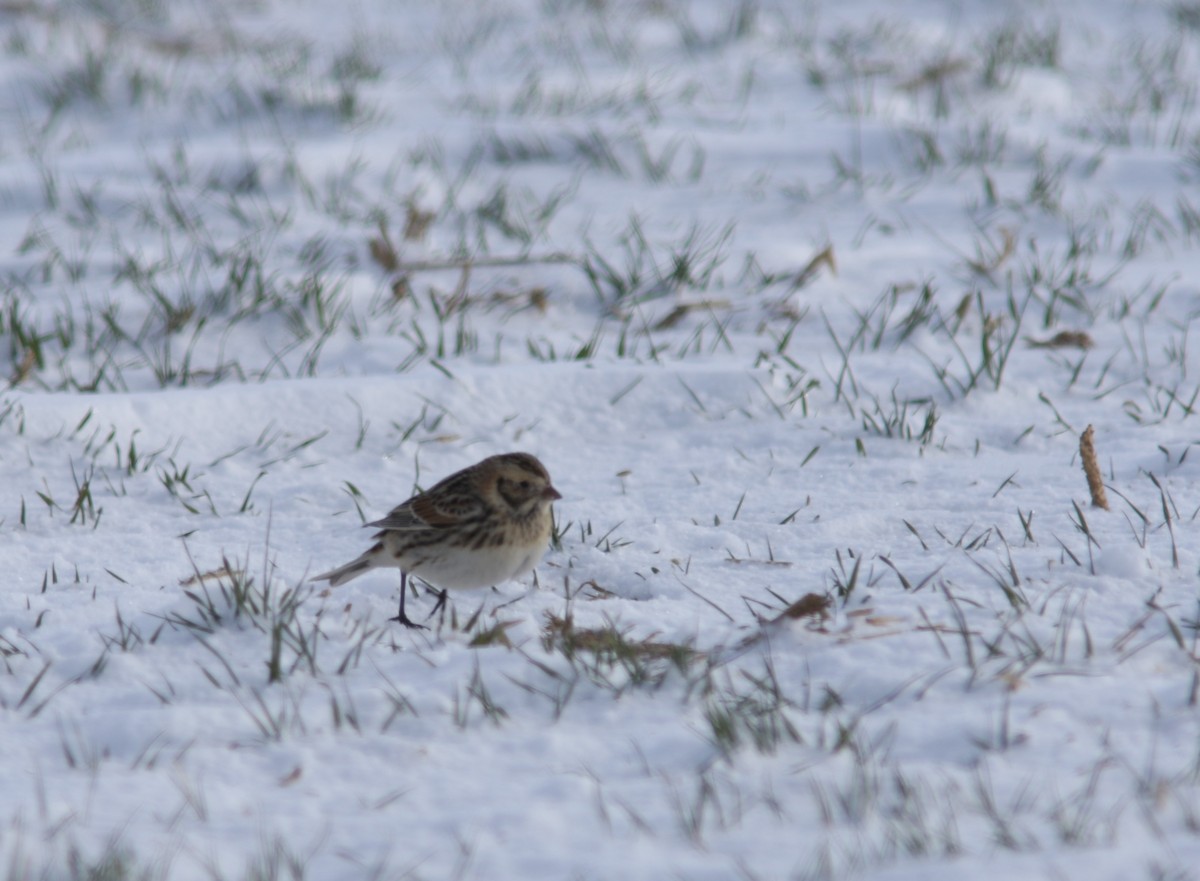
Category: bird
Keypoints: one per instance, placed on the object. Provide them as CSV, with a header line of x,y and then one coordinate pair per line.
x,y
488,523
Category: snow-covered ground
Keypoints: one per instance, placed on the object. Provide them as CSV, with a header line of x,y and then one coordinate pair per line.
x,y
805,306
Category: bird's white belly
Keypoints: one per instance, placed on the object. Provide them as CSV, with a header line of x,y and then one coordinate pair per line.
x,y
469,569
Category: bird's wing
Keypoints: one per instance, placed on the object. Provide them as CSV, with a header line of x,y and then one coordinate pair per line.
x,y
448,503
401,517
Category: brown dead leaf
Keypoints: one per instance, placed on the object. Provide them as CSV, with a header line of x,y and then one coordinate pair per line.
x,y
383,251
811,605
538,299
416,223
401,289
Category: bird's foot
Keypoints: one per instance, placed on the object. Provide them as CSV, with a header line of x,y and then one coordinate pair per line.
x,y
407,622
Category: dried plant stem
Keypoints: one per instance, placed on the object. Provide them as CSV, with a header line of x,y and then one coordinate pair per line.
x,y
1091,468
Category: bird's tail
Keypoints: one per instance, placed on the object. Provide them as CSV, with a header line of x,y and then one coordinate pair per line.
x,y
342,574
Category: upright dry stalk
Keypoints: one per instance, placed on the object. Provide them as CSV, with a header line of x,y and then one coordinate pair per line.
x,y
1087,451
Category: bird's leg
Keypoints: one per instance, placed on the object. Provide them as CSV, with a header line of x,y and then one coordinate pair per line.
x,y
403,618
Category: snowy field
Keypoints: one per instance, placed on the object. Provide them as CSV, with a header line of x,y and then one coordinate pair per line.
x,y
805,306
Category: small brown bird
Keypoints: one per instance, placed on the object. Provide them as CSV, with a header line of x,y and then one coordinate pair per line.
x,y
483,525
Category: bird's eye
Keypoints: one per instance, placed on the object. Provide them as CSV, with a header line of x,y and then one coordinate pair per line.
x,y
525,484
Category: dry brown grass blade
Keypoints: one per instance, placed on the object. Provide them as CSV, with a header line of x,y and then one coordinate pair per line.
x,y
594,591
535,298
199,577
987,264
401,289
383,251
683,309
936,74
417,223
825,258
561,631
497,634
1064,339
22,370
811,605
1091,468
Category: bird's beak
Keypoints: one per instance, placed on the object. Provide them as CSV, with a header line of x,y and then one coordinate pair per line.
x,y
550,494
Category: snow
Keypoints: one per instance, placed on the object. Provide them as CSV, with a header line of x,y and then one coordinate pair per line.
x,y
830,599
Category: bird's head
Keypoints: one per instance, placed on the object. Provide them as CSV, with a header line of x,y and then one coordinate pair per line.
x,y
521,483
